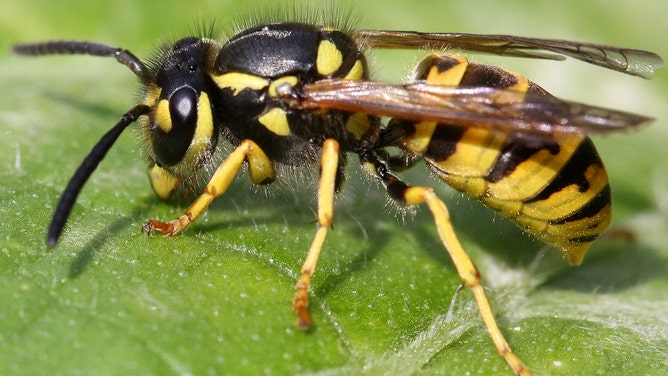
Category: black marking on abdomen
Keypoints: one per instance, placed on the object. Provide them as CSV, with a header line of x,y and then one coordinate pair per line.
x,y
572,173
444,141
517,149
592,208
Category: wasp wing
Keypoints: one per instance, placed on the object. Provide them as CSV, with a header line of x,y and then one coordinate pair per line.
x,y
631,61
497,109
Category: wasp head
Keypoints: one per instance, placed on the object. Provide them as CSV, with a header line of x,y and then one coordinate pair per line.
x,y
181,132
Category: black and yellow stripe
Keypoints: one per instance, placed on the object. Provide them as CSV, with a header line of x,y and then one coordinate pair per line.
x,y
555,188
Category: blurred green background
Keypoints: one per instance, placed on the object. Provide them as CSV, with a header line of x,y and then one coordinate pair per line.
x,y
217,299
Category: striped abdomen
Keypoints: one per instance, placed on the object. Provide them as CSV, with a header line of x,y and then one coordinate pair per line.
x,y
555,187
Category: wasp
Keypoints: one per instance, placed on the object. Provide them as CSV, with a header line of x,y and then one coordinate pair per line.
x,y
298,94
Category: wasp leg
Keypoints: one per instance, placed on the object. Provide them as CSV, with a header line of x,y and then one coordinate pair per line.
x,y
328,172
220,181
409,195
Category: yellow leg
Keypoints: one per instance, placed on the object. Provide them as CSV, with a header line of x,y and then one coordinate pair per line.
x,y
328,166
466,269
218,184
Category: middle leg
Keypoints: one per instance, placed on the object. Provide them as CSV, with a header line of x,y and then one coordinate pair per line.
x,y
328,171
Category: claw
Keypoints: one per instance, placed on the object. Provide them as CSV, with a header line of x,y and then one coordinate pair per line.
x,y
169,228
300,307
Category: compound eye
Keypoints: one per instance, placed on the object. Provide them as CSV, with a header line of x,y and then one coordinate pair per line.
x,y
183,108
171,141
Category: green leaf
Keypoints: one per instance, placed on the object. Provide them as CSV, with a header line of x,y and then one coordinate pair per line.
x,y
217,298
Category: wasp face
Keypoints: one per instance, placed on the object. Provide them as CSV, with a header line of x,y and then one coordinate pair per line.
x,y
181,129
180,133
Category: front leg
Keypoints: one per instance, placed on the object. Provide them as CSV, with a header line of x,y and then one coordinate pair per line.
x,y
261,170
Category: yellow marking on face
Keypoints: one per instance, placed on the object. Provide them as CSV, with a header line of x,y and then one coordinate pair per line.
x,y
162,116
163,182
419,141
329,58
204,129
450,77
239,81
358,124
276,121
152,95
356,72
201,142
290,80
